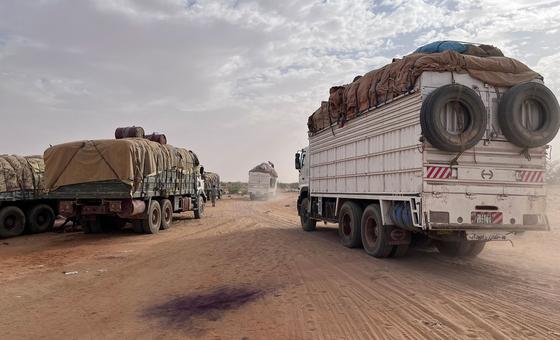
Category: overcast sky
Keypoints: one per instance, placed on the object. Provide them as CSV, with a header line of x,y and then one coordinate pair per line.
x,y
232,80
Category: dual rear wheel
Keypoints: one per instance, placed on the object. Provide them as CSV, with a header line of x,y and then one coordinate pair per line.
x,y
360,227
14,221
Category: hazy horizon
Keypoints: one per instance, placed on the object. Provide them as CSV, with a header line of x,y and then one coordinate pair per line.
x,y
232,80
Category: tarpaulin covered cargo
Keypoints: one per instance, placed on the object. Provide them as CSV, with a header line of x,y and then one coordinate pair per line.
x,y
211,179
19,173
267,168
379,86
128,160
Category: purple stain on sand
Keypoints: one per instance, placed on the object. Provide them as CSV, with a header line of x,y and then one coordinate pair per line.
x,y
181,311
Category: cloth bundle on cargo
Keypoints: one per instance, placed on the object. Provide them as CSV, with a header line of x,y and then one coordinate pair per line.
x,y
129,160
267,168
379,86
19,173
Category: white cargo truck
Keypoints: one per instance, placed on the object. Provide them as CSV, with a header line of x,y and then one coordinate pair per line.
x,y
453,160
263,181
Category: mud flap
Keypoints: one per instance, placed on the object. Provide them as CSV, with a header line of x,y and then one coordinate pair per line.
x,y
398,236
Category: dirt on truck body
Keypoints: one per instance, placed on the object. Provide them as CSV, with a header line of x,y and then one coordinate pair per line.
x,y
454,152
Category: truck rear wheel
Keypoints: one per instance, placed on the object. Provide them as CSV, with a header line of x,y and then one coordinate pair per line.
x,y
166,214
460,248
199,210
92,225
476,249
374,236
152,222
349,227
307,223
40,218
12,222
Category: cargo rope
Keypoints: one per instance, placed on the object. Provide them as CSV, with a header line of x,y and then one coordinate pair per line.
x,y
103,158
67,164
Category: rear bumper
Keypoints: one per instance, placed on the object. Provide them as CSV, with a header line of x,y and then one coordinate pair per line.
x,y
500,227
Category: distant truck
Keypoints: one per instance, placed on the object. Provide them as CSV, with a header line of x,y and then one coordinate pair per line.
x,y
24,207
443,146
212,179
263,181
107,183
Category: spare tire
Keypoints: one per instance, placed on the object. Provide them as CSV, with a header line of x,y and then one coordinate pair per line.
x,y
529,115
453,118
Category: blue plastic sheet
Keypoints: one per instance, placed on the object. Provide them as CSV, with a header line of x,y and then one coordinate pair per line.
x,y
441,46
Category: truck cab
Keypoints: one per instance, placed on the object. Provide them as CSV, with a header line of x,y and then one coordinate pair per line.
x,y
302,165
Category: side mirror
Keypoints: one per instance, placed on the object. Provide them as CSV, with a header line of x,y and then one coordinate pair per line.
x,y
298,164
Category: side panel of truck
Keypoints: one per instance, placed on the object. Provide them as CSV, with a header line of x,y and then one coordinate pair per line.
x,y
375,153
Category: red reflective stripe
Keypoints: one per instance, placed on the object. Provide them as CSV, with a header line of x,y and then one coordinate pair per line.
x,y
534,176
541,177
447,172
497,218
430,171
436,174
526,175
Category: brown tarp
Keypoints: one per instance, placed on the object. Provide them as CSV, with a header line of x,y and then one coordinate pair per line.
x,y
21,173
399,77
128,160
267,168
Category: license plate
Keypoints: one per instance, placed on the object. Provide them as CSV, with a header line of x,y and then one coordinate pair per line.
x,y
478,217
488,236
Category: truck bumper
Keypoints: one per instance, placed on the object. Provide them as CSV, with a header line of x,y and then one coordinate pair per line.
x,y
500,227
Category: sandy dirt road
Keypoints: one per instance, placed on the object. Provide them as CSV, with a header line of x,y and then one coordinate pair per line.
x,y
248,271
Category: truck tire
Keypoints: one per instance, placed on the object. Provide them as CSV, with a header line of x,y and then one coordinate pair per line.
x,y
92,225
476,249
469,118
166,214
12,221
349,226
152,222
40,218
458,249
199,210
374,235
307,223
512,109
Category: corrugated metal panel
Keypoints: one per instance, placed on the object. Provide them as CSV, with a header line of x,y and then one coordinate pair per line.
x,y
375,153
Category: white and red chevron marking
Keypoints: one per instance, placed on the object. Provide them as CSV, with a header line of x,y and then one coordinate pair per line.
x,y
530,176
438,172
497,218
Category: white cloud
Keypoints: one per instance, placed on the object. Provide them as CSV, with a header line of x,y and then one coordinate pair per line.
x,y
240,76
